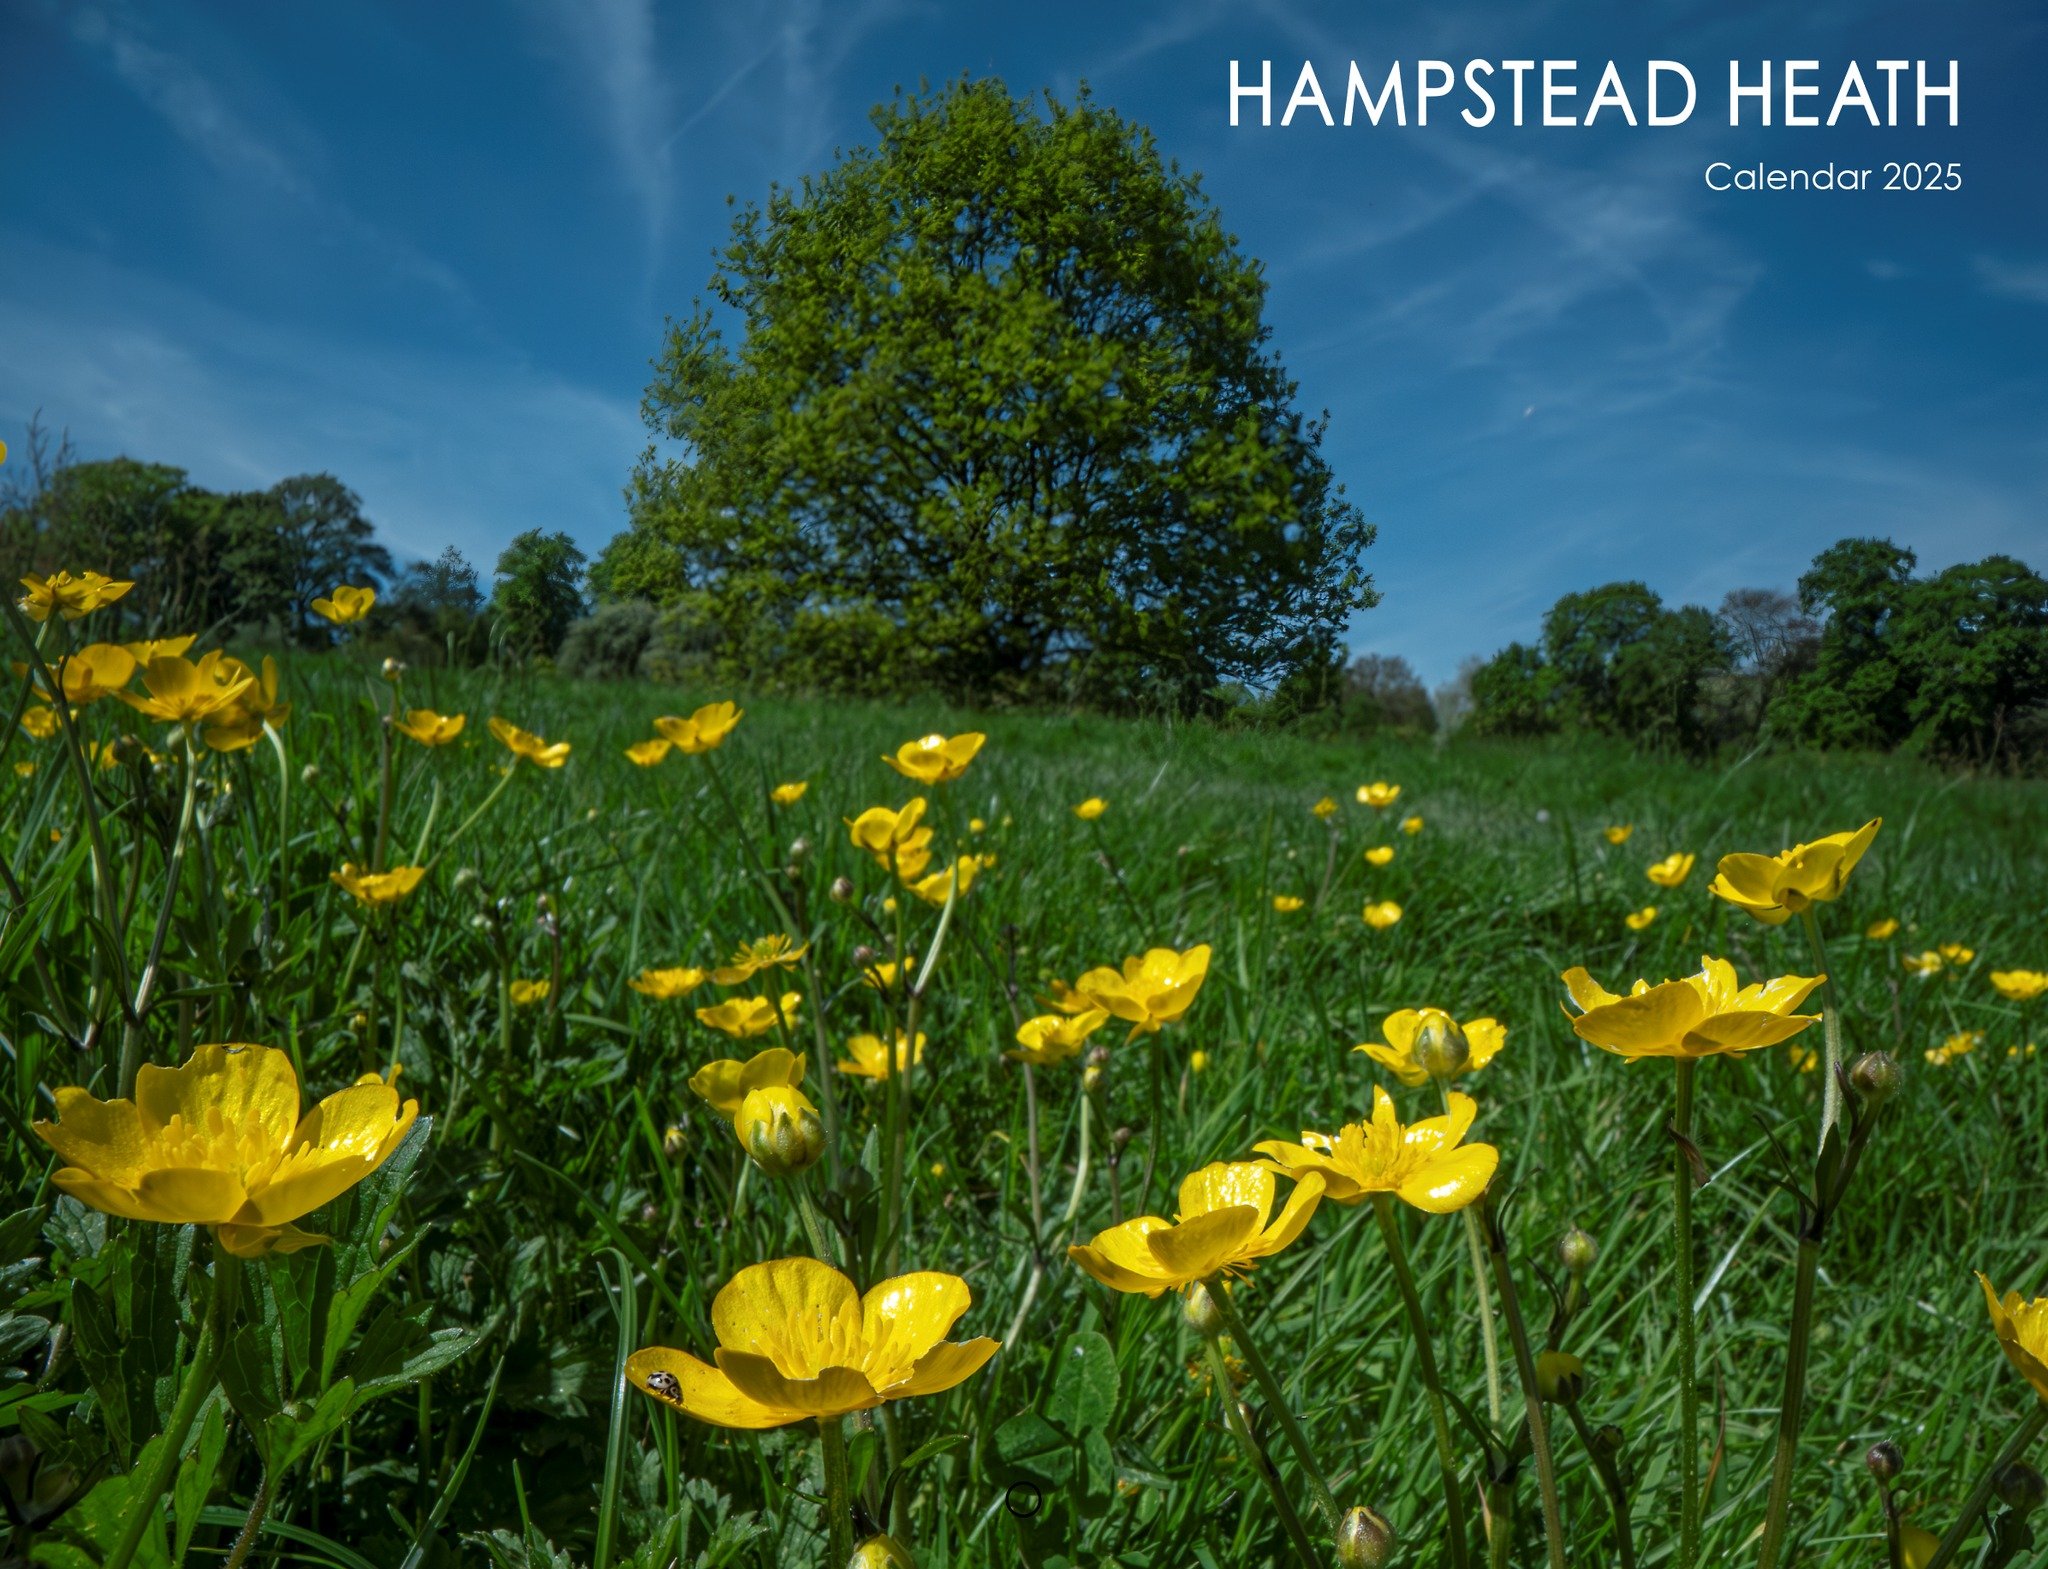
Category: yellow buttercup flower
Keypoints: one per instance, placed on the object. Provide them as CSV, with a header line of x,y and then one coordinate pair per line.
x,y
666,985
796,1341
524,743
1425,1164
789,794
40,721
1917,1545
1048,1038
376,888
1924,964
181,692
1774,888
938,888
1221,1229
239,725
1703,1015
1287,903
1956,953
936,759
24,769
649,752
526,993
880,974
71,597
1381,915
219,1142
898,840
1672,870
872,1059
1881,930
1960,1044
1091,809
1411,826
2021,1328
1379,795
1149,992
703,731
1198,1062
98,670
1617,833
1637,920
725,1085
1379,855
1325,809
150,647
975,825
2019,985
429,728
763,953
1415,1043
345,605
1066,999
746,1017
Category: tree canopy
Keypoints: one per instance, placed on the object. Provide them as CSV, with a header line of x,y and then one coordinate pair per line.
x,y
1001,417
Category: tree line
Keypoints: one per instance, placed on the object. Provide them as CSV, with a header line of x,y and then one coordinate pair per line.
x,y
1866,654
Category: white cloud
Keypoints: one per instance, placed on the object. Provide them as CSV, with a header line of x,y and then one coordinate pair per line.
x,y
2020,280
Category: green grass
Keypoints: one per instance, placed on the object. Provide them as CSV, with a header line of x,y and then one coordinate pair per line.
x,y
548,1219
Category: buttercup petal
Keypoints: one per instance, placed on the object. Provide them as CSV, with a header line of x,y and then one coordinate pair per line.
x,y
1295,1215
103,1137
1198,1248
190,1194
1587,992
244,1084
801,1314
702,1391
1223,1184
904,1317
1645,1024
1732,1032
833,1392
1452,1180
944,1366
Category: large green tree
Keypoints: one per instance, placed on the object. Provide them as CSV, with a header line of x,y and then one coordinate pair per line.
x,y
999,414
539,591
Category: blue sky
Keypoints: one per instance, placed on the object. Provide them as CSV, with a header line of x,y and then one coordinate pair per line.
x,y
430,249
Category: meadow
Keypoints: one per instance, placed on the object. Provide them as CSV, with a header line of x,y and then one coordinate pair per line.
x,y
446,1380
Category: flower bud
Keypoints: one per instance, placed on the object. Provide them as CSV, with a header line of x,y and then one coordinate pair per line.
x,y
1876,1077
1091,1079
1576,1251
309,773
1884,1460
1441,1050
1097,1056
650,1212
1560,1377
1200,1312
881,1552
675,1142
841,890
799,852
359,1022
1120,1140
2021,1488
865,958
465,877
1364,1540
393,670
1608,1439
780,1128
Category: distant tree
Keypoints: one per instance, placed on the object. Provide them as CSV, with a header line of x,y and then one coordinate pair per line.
x,y
1657,679
1771,640
440,603
1004,420
609,643
1857,690
1972,643
294,544
1516,693
1583,635
1381,692
539,590
1452,699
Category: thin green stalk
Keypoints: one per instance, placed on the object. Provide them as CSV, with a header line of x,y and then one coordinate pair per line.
x,y
504,783
1688,1356
1777,1510
1532,1399
1432,1382
131,1035
1831,1031
1276,1399
838,1518
192,1393
814,1223
1219,1374
1475,1248
1980,1495
266,1491
1617,1495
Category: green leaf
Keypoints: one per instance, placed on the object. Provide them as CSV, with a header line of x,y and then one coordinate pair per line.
x,y
1031,1449
1084,1388
196,1477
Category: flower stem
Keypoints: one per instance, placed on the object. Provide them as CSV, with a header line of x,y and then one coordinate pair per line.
x,y
1617,1495
1475,1247
1980,1495
1532,1399
266,1490
838,1518
1831,1031
192,1393
814,1223
1432,1382
1233,1418
1276,1398
1688,1355
1777,1511
131,1036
